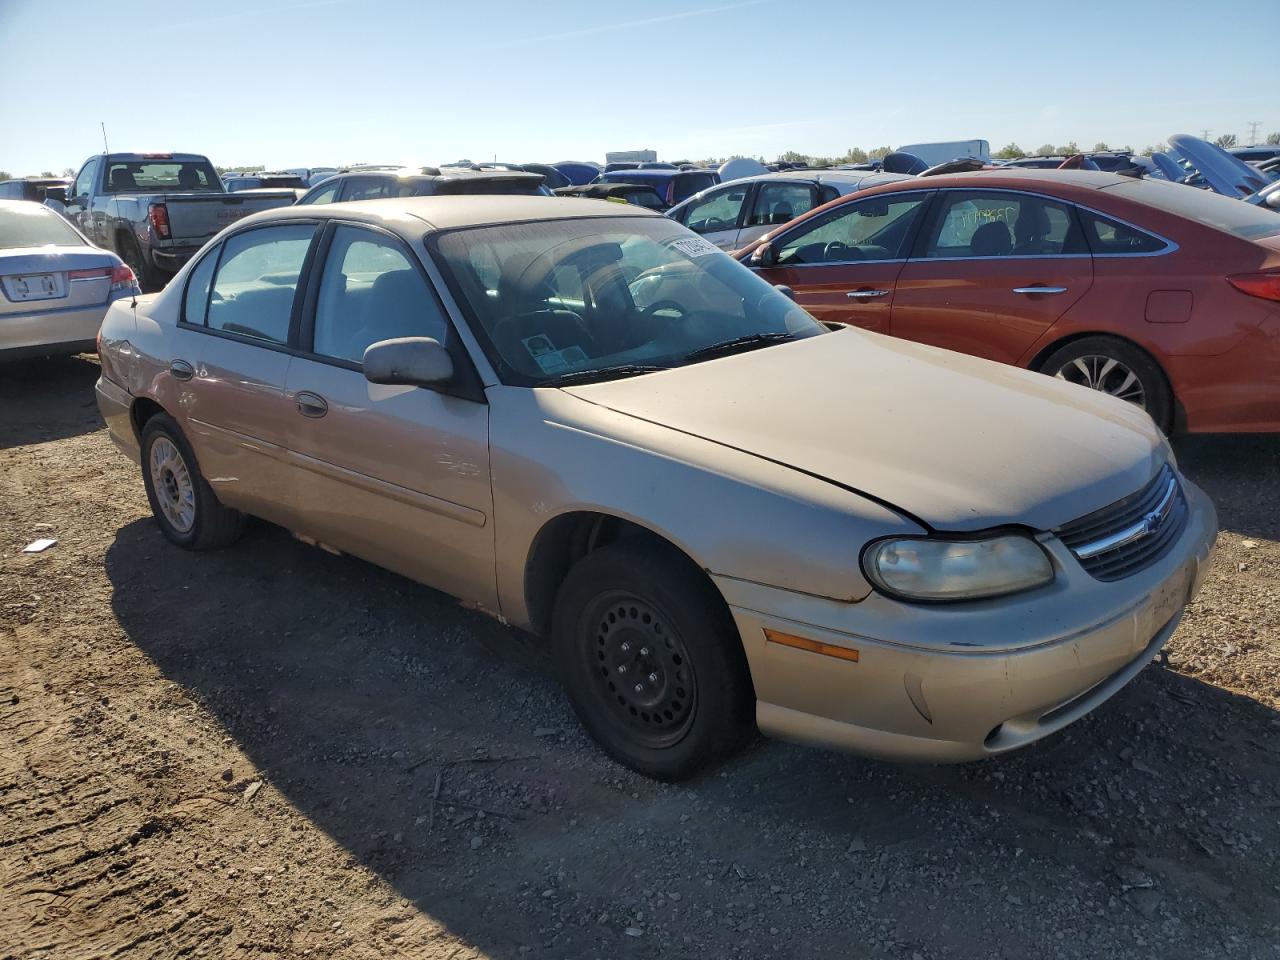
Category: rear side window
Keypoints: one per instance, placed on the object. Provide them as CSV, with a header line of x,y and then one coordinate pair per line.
x,y
257,280
1002,224
195,302
1107,236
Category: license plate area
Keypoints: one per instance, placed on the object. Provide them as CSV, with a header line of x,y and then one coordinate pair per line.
x,y
34,286
1166,600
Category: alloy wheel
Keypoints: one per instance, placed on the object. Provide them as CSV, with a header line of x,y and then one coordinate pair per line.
x,y
1106,375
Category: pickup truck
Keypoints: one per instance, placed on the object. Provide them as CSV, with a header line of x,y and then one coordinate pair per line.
x,y
155,210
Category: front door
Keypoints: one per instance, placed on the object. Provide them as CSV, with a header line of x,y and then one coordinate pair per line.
x,y
994,270
843,265
230,361
398,475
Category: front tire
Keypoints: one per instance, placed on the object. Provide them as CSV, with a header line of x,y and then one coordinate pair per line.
x,y
651,660
185,506
1116,368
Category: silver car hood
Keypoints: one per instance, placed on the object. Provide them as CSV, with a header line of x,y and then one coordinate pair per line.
x,y
953,441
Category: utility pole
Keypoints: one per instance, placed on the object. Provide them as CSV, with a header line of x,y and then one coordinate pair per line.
x,y
1253,132
1204,134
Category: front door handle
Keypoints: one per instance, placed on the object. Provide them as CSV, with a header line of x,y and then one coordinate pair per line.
x,y
866,294
311,404
1035,291
181,370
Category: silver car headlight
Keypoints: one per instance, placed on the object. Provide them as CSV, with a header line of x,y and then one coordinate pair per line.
x,y
925,569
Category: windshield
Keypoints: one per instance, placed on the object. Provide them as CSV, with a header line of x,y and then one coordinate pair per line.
x,y
33,225
1244,220
150,175
554,298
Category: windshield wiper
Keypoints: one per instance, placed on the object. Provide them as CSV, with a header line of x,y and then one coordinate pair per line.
x,y
618,370
735,345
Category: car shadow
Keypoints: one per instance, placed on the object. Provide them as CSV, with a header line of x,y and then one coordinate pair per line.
x,y
48,399
360,695
1238,472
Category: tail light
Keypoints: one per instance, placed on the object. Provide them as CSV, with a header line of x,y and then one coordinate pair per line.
x,y
122,278
159,216
1265,285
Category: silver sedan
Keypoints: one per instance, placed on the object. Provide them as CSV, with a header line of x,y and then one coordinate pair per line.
x,y
583,419
55,286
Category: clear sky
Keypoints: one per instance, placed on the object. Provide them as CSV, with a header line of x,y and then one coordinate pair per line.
x,y
319,82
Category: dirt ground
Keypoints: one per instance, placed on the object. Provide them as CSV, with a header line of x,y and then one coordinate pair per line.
x,y
272,751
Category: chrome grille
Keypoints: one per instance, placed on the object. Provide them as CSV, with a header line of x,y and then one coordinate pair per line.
x,y
1130,534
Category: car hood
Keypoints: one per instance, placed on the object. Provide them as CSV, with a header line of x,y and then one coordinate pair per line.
x,y
955,442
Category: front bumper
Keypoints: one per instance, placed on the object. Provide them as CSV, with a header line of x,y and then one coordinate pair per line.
x,y
950,683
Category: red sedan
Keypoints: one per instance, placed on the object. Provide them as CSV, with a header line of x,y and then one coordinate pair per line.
x,y
1158,293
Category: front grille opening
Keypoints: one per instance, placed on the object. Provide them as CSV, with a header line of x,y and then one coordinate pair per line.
x,y
1160,530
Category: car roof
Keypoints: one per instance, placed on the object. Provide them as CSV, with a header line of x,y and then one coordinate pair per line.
x,y
1017,178
451,211
643,176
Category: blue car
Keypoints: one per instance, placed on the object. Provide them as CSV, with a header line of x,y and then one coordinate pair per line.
x,y
673,186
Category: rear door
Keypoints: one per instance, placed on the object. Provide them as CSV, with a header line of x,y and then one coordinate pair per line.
x,y
231,356
718,216
843,265
991,272
398,475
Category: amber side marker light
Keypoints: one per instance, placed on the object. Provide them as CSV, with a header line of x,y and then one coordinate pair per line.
x,y
813,646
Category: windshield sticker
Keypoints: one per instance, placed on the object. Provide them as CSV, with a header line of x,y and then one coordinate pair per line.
x,y
561,360
694,247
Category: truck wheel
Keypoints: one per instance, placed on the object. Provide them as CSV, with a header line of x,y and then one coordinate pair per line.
x,y
131,254
185,506
651,660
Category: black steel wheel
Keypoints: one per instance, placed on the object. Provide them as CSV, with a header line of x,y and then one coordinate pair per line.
x,y
651,659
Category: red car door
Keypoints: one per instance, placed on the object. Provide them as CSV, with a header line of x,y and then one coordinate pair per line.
x,y
843,265
993,270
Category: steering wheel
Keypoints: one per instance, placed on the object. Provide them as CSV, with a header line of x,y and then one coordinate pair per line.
x,y
653,309
834,251
714,223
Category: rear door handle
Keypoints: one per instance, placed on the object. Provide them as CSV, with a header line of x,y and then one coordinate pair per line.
x,y
311,404
181,370
866,294
1033,291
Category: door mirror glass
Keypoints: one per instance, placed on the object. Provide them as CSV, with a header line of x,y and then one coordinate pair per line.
x,y
411,361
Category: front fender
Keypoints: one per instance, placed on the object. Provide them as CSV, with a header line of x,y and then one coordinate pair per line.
x,y
734,514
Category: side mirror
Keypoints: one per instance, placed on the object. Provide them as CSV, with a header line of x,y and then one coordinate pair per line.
x,y
786,291
412,361
57,206
764,256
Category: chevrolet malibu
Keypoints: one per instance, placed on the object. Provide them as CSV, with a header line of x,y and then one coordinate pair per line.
x,y
589,422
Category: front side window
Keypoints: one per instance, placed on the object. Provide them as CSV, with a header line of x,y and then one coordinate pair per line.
x,y
877,228
371,291
778,203
718,211
598,297
974,223
35,226
325,194
257,280
84,181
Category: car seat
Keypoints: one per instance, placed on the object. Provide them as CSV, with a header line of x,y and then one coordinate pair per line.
x,y
991,240
122,179
1031,230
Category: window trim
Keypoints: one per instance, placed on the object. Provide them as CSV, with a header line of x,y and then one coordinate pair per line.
x,y
909,241
304,279
1170,246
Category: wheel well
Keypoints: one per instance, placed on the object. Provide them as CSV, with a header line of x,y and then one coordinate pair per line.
x,y
562,543
143,409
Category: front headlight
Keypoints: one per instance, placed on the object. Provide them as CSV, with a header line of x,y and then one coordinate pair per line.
x,y
922,569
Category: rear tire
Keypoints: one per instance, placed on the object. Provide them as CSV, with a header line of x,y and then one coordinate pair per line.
x,y
1117,368
131,254
186,508
651,660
